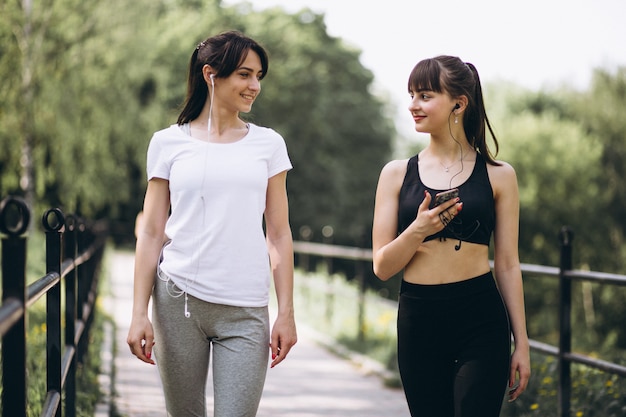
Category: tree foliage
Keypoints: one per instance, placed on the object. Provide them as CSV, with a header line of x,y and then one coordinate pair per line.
x,y
567,149
106,80
317,95
81,123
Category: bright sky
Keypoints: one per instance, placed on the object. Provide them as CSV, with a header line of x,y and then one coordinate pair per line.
x,y
534,43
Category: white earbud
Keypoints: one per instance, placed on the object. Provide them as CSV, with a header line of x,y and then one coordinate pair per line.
x,y
187,313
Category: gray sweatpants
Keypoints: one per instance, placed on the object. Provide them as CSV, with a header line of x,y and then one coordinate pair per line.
x,y
240,340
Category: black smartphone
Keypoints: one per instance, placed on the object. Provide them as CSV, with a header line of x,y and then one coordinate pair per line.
x,y
444,196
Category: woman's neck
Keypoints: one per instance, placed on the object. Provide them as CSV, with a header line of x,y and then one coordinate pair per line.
x,y
222,130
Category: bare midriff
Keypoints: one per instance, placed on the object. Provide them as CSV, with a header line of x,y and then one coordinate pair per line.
x,y
437,262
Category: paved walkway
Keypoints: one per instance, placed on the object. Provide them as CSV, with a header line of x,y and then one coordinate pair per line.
x,y
310,382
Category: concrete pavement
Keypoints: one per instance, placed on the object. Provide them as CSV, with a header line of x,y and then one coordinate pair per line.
x,y
312,381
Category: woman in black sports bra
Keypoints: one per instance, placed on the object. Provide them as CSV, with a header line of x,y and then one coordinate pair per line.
x,y
455,317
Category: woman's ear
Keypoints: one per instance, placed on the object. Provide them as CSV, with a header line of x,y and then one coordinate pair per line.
x,y
461,104
207,72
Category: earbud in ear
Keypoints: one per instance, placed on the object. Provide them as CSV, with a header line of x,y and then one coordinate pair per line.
x,y
457,105
212,76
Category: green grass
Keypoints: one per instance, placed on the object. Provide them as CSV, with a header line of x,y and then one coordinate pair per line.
x,y
88,389
331,306
594,393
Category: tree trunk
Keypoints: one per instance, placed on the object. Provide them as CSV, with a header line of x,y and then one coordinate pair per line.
x,y
27,179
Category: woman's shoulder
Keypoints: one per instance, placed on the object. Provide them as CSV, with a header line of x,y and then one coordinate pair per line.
x,y
502,168
171,132
265,137
502,176
263,130
396,165
394,169
170,136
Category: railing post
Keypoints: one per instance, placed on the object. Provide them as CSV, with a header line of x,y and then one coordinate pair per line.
x,y
303,260
360,278
327,232
359,270
565,325
84,286
14,222
53,223
70,316
305,234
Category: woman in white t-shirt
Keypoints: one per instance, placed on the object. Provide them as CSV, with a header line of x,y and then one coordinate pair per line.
x,y
214,182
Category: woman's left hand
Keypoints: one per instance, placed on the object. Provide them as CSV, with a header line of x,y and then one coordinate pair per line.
x,y
283,338
520,368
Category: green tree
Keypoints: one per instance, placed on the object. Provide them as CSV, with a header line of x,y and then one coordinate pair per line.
x,y
565,148
107,75
23,31
75,100
601,113
317,95
550,151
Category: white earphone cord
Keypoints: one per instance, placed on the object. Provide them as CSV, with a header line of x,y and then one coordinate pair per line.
x,y
461,150
211,103
178,293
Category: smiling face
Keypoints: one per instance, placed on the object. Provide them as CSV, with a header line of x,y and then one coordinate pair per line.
x,y
431,111
238,91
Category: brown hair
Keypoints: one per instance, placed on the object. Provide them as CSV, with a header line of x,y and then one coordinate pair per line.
x,y
224,53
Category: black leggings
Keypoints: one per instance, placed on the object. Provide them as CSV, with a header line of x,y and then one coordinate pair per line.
x,y
454,347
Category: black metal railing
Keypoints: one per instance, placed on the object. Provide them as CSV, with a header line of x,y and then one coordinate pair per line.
x,y
564,273
74,252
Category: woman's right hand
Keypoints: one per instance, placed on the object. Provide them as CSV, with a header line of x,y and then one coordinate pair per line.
x,y
141,339
430,221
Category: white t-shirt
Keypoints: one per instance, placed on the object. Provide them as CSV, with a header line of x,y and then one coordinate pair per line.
x,y
217,250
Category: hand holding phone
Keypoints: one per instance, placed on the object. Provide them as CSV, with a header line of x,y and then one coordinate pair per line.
x,y
444,196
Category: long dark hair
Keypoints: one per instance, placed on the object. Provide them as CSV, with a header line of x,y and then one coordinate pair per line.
x,y
224,53
449,74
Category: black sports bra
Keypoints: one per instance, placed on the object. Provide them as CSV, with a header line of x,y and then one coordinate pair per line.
x,y
474,224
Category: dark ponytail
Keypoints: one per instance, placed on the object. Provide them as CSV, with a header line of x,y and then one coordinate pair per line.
x,y
476,120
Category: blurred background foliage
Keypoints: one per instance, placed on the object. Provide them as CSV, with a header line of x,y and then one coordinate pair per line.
x,y
85,83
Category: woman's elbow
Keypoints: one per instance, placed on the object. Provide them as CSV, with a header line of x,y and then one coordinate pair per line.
x,y
380,272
